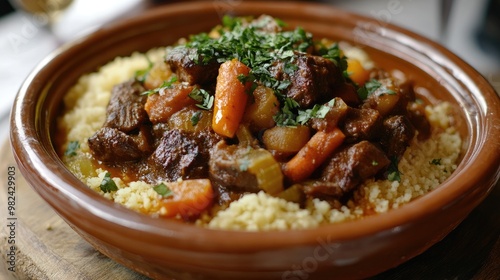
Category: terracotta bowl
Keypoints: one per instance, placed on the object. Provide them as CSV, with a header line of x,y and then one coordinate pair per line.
x,y
163,248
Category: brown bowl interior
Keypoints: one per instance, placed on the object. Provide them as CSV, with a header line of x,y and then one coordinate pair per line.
x,y
160,247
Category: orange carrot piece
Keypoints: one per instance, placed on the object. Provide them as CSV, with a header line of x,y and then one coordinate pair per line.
x,y
230,98
313,154
357,72
161,106
189,198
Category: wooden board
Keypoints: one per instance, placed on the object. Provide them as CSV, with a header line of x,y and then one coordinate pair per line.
x,y
47,248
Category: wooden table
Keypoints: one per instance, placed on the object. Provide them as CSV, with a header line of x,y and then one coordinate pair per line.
x,y
47,248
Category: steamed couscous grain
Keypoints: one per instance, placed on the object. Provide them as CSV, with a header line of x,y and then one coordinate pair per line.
x,y
423,167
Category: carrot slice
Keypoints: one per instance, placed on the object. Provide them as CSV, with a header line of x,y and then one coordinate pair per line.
x,y
189,198
313,154
230,98
357,72
161,106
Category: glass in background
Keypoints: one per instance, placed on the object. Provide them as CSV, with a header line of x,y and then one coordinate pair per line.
x,y
47,11
488,35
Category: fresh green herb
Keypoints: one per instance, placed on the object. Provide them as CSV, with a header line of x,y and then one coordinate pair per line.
x,y
166,85
73,146
287,116
335,54
204,98
318,111
374,163
363,93
291,114
107,184
260,50
195,118
140,75
436,161
280,22
253,47
163,190
243,78
387,91
393,172
230,22
248,78
372,86
394,176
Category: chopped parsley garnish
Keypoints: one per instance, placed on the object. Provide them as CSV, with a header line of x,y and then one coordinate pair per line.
x,y
372,86
260,50
204,98
166,85
230,22
163,190
363,92
291,114
73,146
374,163
244,78
393,172
287,116
335,54
107,184
436,161
255,48
195,118
318,111
248,78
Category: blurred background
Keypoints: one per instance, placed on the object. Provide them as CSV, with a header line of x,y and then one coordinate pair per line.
x,y
31,29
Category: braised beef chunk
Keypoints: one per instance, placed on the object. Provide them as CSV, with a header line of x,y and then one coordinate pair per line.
x,y
225,168
347,92
336,113
348,168
113,146
190,67
207,139
417,117
178,155
320,188
398,132
144,140
158,130
125,111
224,196
362,124
312,80
125,135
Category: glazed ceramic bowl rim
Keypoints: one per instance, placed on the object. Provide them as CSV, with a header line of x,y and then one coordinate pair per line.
x,y
31,153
